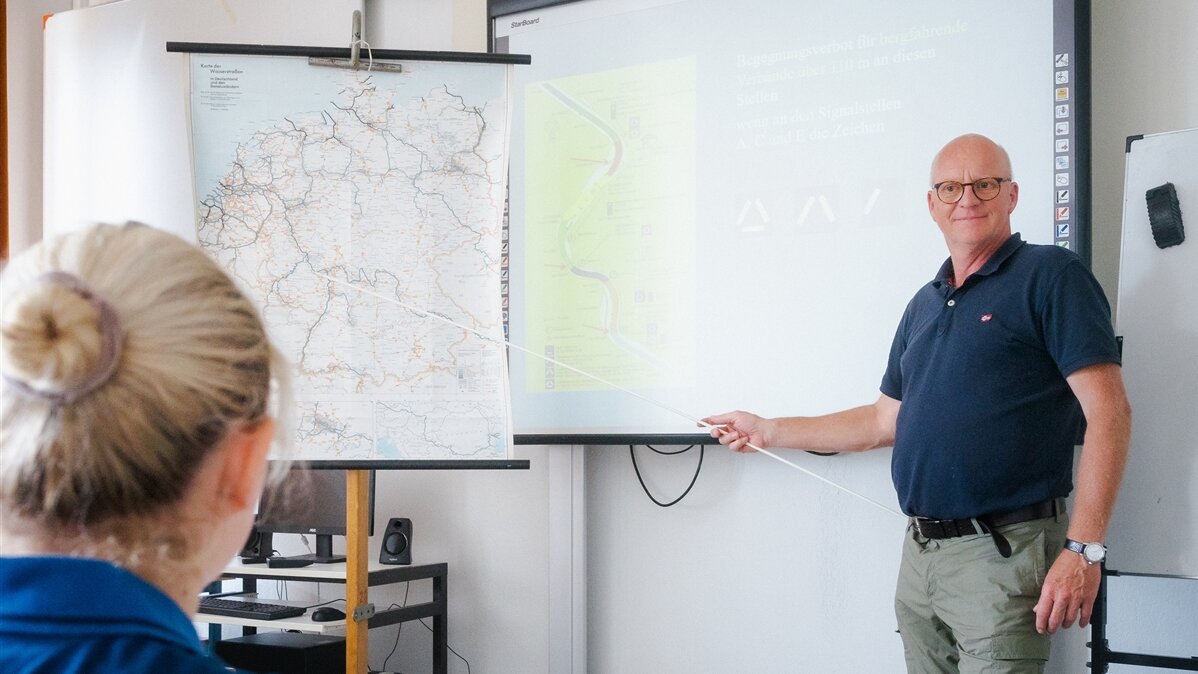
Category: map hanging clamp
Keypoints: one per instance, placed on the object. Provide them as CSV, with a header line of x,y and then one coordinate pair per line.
x,y
355,60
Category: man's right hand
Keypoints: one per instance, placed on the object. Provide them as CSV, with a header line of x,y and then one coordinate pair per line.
x,y
738,429
852,430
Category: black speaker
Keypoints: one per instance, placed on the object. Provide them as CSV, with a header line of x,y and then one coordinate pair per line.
x,y
257,547
397,542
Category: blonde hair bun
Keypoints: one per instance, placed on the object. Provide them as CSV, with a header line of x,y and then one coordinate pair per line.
x,y
54,339
128,356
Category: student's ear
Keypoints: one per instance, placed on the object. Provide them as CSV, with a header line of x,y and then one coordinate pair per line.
x,y
244,464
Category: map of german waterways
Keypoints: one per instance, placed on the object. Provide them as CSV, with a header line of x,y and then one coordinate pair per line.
x,y
392,182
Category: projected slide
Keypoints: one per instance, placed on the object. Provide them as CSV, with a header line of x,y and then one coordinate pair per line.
x,y
724,205
608,267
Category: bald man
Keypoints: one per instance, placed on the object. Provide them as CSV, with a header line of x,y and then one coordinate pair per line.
x,y
999,367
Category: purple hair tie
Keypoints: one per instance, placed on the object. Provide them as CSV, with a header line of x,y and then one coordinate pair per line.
x,y
111,338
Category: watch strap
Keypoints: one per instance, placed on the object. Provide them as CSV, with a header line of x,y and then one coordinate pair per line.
x,y
1080,548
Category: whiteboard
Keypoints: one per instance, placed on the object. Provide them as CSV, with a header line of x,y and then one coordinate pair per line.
x,y
723,210
1155,525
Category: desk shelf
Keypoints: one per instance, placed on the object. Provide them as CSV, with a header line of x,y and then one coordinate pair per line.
x,y
302,623
377,574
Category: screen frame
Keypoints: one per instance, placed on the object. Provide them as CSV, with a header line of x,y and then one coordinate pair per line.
x,y
292,526
1072,13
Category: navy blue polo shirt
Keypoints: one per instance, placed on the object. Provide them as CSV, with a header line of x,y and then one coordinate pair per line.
x,y
70,615
988,422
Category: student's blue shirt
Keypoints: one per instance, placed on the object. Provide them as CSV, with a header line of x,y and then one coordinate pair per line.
x,y
988,421
62,615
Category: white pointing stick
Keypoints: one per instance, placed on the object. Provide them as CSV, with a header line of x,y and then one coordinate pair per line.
x,y
558,363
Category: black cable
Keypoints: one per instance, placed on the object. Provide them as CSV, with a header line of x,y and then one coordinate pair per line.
x,y
664,453
394,645
448,646
632,453
323,603
407,588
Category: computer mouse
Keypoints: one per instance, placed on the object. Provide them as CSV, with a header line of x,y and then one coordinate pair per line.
x,y
327,613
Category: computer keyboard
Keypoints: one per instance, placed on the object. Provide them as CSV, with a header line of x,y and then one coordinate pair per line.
x,y
247,609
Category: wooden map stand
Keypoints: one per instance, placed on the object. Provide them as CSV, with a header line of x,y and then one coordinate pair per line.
x,y
357,511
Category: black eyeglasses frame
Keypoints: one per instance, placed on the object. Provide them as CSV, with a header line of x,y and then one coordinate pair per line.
x,y
936,189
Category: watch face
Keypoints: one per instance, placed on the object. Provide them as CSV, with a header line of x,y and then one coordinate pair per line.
x,y
1094,553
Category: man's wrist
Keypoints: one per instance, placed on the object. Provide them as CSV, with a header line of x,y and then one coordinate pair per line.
x,y
769,428
1093,552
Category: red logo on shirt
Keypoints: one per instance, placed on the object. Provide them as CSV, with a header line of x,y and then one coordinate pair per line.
x,y
986,317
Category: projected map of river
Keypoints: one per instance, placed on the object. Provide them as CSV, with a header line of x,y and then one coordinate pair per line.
x,y
610,234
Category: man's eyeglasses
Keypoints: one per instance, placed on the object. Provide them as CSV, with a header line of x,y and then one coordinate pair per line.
x,y
951,191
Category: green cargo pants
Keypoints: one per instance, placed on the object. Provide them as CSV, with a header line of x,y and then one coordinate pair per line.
x,y
962,607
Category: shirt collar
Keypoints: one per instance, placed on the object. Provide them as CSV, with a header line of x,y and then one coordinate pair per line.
x,y
944,276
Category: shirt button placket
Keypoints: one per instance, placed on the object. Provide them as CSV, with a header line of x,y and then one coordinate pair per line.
x,y
945,317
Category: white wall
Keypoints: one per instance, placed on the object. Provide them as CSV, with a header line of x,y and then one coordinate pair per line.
x,y
1145,80
24,25
515,583
455,25
493,529
760,569
515,565
116,138
506,535
515,555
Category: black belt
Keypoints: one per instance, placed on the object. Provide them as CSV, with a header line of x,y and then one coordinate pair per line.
x,y
989,524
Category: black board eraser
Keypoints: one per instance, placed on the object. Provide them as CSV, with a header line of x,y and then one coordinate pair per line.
x,y
1164,216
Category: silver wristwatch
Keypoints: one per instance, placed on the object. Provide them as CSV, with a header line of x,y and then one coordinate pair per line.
x,y
1093,553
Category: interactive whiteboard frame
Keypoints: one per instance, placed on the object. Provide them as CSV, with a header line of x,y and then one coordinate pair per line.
x,y
1071,37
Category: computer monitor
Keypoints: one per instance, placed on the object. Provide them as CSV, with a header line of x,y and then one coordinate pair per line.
x,y
311,501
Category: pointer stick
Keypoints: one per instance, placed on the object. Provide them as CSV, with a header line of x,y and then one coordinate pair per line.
x,y
558,363
825,480
489,338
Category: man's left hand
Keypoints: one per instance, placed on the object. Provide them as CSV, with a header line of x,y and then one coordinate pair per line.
x,y
1068,594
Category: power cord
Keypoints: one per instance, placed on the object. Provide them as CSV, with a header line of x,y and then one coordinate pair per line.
x,y
632,453
421,620
324,603
408,588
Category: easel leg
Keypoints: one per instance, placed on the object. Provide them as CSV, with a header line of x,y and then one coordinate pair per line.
x,y
356,570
